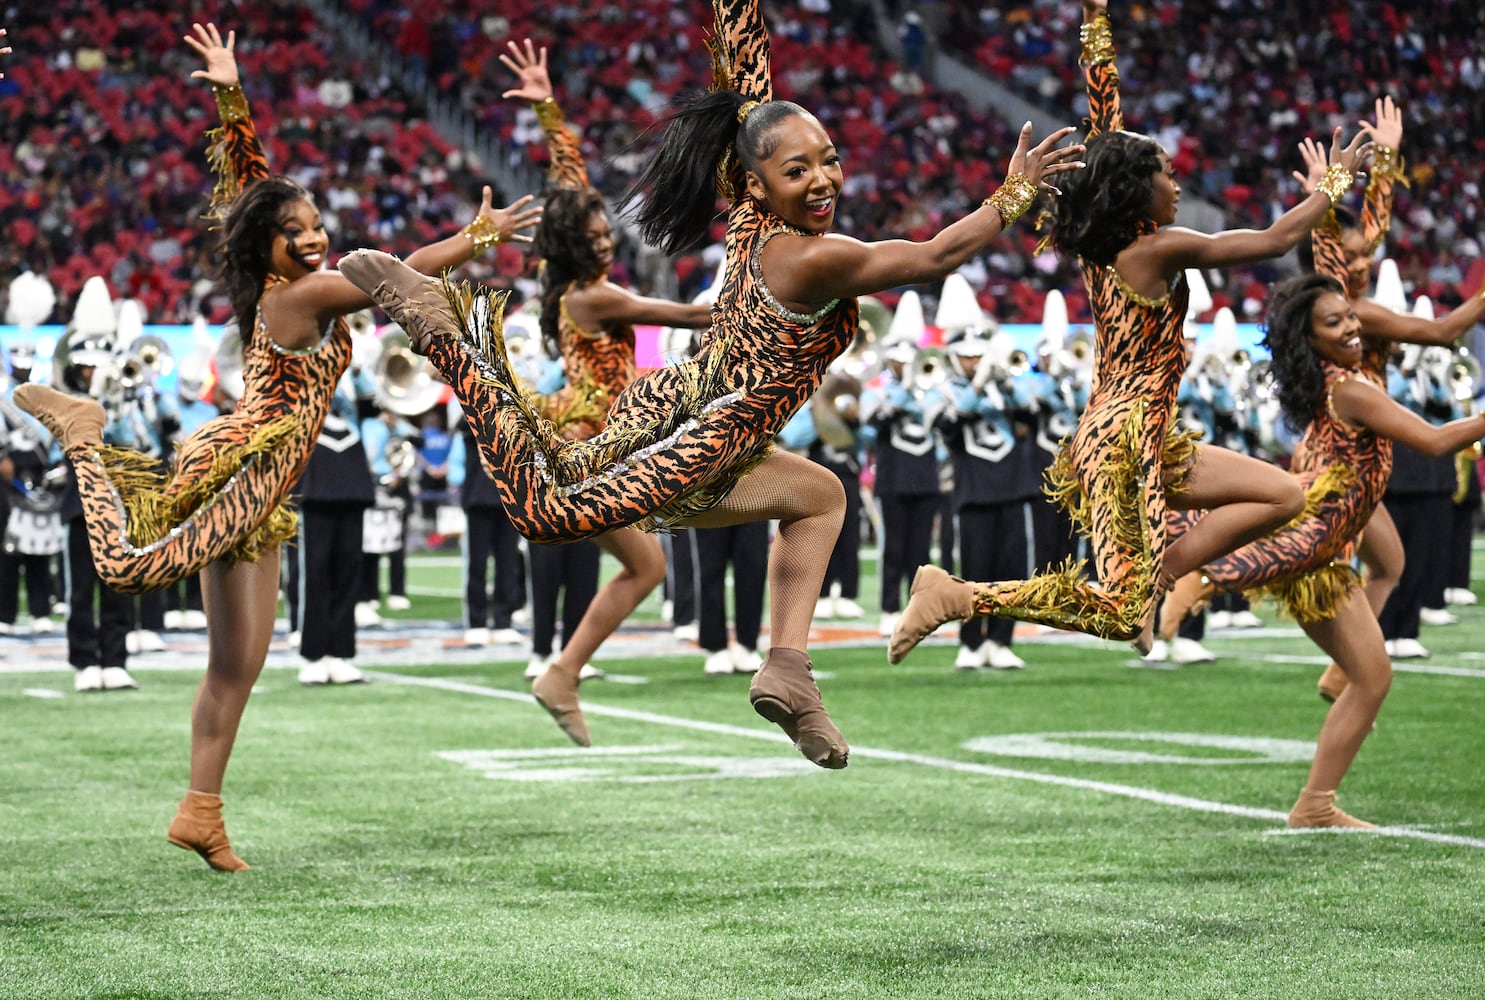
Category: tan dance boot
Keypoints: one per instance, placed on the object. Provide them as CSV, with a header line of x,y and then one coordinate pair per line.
x,y
198,827
936,598
558,694
415,301
1318,809
1332,683
784,692
1187,596
75,421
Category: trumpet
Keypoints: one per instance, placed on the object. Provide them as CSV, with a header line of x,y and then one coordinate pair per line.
x,y
147,359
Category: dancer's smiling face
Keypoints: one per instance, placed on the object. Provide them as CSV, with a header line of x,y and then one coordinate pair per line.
x,y
800,180
1165,192
300,243
1335,332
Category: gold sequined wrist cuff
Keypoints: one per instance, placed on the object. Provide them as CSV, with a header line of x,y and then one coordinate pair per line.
x,y
482,233
548,114
1098,41
232,103
1386,162
1014,198
1335,183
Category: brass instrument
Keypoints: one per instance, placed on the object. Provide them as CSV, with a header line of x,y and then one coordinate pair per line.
x,y
405,382
228,363
1463,375
365,346
834,410
146,360
929,371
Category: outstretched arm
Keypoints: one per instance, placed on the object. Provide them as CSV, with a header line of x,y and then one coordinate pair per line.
x,y
1386,134
1359,401
1099,72
837,267
1380,323
328,294
234,152
605,303
1178,248
530,66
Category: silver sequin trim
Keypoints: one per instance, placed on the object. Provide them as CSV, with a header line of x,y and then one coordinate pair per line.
x,y
755,264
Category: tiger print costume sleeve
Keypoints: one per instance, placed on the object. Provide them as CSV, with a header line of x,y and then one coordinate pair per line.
x,y
568,169
233,152
740,49
1376,212
1101,75
1330,258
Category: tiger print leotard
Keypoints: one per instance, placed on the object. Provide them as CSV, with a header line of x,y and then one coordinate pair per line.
x,y
1306,564
1126,455
225,497
678,438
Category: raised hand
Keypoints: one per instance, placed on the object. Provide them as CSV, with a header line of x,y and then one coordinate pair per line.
x,y
1043,160
221,62
1352,155
1314,158
512,218
1092,8
1388,129
530,66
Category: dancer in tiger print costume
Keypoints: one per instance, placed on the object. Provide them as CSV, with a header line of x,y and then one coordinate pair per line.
x,y
1124,465
1320,368
690,443
221,512
589,320
1344,247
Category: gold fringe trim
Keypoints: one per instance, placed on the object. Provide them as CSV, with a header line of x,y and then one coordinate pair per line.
x,y
580,402
1315,596
153,509
1178,458
227,187
1060,485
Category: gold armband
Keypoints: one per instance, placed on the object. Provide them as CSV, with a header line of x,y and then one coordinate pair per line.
x,y
1386,162
1098,41
482,233
232,103
1014,197
1335,183
548,114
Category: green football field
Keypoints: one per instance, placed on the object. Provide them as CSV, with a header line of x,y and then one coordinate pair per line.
x,y
1087,827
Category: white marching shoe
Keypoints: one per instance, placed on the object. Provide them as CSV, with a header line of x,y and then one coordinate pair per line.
x,y
718,663
998,657
744,660
342,671
1184,650
88,679
118,679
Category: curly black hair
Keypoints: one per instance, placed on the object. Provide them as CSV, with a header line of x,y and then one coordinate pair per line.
x,y
1105,206
1299,381
247,244
566,251
676,193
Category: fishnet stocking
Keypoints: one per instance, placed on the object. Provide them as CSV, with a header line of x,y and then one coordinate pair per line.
x,y
809,504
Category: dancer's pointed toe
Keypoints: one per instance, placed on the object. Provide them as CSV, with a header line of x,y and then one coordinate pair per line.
x,y
75,421
198,827
557,693
936,598
415,301
784,692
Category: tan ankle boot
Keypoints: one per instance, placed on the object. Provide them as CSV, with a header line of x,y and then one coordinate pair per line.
x,y
1318,809
936,598
1187,596
75,421
558,694
1332,683
198,827
784,692
415,301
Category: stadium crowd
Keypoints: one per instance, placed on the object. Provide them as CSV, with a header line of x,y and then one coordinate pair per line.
x,y
107,175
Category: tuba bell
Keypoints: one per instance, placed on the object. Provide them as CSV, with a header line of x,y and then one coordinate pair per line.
x,y
405,382
834,410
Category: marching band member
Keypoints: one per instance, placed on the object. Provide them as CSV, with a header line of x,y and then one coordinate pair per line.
x,y
906,480
30,472
986,417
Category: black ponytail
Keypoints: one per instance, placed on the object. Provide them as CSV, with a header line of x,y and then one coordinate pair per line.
x,y
677,190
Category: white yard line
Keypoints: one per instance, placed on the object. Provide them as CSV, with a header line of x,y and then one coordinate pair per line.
x,y
922,760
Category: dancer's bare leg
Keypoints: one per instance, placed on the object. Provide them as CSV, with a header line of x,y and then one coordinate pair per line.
x,y
1382,556
1353,639
240,604
643,567
1244,499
